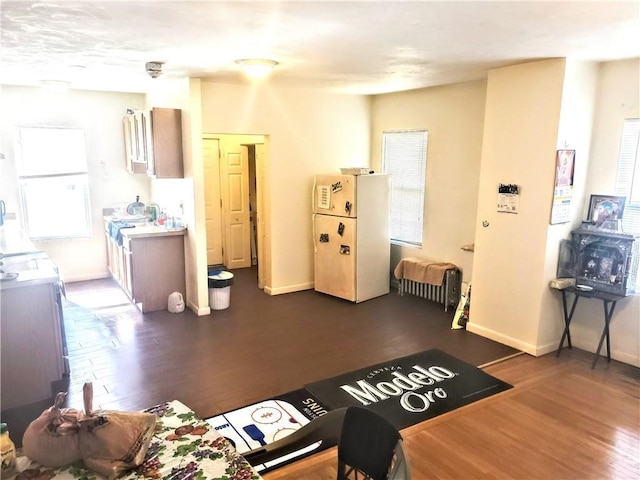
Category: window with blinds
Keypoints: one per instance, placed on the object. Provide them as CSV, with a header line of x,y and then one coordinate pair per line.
x,y
54,182
404,157
628,175
628,178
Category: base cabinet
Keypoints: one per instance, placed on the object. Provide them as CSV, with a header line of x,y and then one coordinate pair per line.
x,y
156,269
32,344
148,264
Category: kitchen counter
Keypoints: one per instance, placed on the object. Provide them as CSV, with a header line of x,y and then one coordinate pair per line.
x,y
14,240
28,278
18,256
142,228
143,231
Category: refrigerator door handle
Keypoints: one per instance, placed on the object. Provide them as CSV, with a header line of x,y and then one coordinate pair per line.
x,y
313,233
313,197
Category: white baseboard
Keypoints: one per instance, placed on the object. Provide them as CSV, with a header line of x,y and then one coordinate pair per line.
x,y
500,338
199,311
288,289
538,351
85,278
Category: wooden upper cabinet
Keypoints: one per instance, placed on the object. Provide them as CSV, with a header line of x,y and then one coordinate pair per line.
x,y
165,158
155,142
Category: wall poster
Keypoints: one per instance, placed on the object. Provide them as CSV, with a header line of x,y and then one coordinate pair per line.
x,y
563,189
508,198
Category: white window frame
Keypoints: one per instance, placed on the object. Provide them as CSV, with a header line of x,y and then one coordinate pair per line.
x,y
628,178
54,182
404,157
628,174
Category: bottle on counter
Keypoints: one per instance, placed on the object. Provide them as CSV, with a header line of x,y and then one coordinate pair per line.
x,y
8,451
153,213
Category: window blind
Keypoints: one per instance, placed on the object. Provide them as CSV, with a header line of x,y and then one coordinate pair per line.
x,y
628,175
404,157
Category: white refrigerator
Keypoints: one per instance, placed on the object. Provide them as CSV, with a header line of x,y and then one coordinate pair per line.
x,y
351,235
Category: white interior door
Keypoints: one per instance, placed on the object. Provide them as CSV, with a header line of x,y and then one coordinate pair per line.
x,y
212,204
234,170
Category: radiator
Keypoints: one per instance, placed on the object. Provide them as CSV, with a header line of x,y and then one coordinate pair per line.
x,y
447,294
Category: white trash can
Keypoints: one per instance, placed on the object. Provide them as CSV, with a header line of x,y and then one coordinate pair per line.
x,y
220,289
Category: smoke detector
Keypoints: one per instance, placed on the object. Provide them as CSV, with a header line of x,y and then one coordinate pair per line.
x,y
154,69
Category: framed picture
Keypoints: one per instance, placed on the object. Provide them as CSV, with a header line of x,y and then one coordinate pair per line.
x,y
603,208
564,167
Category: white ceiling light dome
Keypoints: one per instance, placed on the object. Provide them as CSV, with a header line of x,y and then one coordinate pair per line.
x,y
256,67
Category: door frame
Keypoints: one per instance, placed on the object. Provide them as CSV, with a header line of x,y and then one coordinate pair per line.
x,y
262,216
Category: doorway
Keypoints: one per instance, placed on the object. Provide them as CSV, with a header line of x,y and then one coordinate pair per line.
x,y
232,167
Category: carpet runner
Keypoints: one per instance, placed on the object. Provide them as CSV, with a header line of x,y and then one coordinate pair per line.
x,y
409,389
405,391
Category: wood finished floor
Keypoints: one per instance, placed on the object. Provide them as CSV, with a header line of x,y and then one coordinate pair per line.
x,y
259,347
561,419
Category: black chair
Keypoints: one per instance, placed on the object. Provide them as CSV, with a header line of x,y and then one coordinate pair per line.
x,y
369,447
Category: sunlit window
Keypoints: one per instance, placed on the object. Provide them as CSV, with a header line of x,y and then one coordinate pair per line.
x,y
54,184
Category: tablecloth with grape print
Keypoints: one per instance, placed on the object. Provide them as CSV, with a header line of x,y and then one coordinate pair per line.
x,y
183,447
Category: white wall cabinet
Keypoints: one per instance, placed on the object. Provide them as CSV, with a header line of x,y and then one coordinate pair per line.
x,y
134,156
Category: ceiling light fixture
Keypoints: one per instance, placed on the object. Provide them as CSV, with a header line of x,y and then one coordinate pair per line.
x,y
256,67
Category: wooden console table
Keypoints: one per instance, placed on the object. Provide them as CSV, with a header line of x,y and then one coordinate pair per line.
x,y
609,301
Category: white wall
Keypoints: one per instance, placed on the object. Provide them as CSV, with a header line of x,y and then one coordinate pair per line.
x,y
453,116
100,114
186,194
533,109
309,132
520,131
574,132
618,97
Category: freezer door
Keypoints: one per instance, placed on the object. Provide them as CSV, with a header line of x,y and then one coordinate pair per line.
x,y
335,256
335,195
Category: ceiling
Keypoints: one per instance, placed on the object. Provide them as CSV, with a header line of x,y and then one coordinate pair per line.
x,y
362,47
